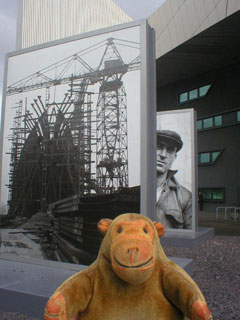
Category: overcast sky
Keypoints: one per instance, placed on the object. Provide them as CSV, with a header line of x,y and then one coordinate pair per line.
x,y
136,9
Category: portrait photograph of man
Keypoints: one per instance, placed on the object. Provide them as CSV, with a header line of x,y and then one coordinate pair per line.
x,y
174,169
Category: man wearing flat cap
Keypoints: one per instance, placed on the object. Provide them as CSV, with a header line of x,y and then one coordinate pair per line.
x,y
174,202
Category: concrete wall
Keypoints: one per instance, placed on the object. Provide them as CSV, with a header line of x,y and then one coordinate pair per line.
x,y
177,21
41,21
221,98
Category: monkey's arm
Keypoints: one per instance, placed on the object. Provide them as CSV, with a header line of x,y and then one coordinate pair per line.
x,y
71,298
184,293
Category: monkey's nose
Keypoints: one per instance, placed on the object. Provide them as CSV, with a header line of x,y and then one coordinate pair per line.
x,y
132,252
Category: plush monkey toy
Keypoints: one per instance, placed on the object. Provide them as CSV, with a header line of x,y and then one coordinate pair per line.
x,y
131,279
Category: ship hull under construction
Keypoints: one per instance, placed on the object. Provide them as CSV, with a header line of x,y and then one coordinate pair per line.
x,y
75,237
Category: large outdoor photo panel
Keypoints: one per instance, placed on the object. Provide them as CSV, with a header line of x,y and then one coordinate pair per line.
x,y
73,119
176,170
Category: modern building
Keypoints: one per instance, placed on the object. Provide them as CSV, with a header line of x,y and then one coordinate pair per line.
x,y
197,63
41,21
198,66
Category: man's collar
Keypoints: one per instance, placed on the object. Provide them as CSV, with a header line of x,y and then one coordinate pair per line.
x,y
171,173
171,179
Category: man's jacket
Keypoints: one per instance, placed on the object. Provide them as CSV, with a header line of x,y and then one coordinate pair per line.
x,y
174,206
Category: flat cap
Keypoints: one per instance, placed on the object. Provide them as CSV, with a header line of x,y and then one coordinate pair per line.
x,y
170,137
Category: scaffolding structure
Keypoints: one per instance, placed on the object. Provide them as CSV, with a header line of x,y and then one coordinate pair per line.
x,y
55,145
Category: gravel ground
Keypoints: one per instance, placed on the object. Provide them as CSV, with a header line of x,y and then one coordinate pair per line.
x,y
216,271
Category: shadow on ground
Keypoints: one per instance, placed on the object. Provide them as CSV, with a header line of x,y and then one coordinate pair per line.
x,y
221,226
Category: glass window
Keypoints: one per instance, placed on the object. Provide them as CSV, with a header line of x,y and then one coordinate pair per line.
x,y
183,97
204,90
208,157
217,195
205,157
213,194
218,121
215,155
199,124
238,115
207,195
208,123
193,94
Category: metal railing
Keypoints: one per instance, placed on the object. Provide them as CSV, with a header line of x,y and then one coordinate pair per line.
x,y
231,212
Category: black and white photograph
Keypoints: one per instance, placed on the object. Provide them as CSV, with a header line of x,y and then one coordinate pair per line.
x,y
71,128
175,183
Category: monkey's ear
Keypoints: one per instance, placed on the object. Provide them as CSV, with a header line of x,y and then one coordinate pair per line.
x,y
103,225
160,228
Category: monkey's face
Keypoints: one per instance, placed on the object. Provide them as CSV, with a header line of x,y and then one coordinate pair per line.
x,y
132,250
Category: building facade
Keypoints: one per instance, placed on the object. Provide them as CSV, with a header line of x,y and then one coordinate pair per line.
x,y
214,95
198,66
41,21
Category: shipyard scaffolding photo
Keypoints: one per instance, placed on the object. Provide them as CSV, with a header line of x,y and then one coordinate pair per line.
x,y
53,148
68,140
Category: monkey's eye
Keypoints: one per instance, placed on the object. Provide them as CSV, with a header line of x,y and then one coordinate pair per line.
x,y
145,230
119,230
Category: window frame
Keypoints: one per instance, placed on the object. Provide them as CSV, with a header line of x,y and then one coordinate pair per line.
x,y
212,189
211,162
213,126
198,93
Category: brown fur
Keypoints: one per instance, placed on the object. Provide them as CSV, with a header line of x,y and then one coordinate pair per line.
x,y
131,279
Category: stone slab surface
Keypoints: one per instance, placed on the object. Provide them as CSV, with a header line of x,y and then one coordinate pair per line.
x,y
187,240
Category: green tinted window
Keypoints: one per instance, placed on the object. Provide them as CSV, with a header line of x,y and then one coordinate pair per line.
x,y
218,120
205,157
193,94
208,158
213,194
238,115
203,90
217,195
208,123
199,124
183,97
207,195
215,155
